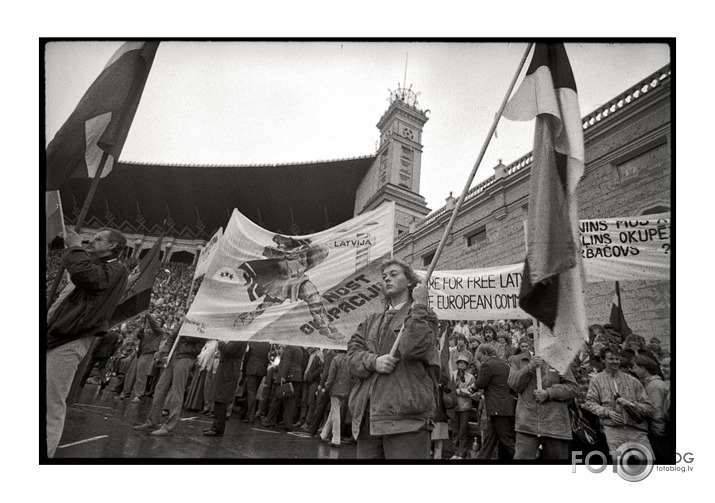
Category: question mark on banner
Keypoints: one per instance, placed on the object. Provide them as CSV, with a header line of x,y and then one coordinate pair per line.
x,y
666,247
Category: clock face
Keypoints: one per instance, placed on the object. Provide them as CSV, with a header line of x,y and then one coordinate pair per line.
x,y
408,133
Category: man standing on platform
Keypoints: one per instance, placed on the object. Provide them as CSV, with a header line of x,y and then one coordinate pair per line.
x,y
394,399
79,315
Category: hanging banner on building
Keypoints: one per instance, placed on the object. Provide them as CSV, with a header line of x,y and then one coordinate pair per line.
x,y
621,249
307,291
490,293
202,264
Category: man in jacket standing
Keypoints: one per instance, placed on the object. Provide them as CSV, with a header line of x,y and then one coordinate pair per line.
x,y
621,403
542,416
255,368
288,371
79,315
135,381
499,403
311,379
394,400
172,384
226,382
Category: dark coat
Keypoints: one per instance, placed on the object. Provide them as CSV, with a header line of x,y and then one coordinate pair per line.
x,y
150,336
256,363
85,311
338,383
290,365
312,374
406,399
108,343
229,370
492,378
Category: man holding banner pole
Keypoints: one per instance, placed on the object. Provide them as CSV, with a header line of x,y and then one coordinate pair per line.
x,y
394,399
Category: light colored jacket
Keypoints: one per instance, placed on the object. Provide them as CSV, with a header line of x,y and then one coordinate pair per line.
x,y
600,401
550,418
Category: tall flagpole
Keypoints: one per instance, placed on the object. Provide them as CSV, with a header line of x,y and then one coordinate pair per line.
x,y
79,224
458,206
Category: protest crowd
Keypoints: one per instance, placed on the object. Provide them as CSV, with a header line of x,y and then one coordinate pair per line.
x,y
485,396
328,335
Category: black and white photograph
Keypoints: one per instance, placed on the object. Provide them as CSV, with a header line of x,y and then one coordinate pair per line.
x,y
412,257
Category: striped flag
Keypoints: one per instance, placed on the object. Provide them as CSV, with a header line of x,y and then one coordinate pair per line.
x,y
100,123
137,296
552,285
617,319
54,219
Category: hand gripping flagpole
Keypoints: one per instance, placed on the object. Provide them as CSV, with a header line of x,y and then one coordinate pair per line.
x,y
458,206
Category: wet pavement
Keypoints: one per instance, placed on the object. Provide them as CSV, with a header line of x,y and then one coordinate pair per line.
x,y
97,426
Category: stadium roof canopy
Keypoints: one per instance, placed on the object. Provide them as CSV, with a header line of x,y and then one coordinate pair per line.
x,y
294,199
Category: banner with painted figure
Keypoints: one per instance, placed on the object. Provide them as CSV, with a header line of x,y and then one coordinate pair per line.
x,y
491,293
307,291
630,248
202,264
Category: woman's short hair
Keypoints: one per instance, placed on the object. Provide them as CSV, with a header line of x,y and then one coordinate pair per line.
x,y
410,274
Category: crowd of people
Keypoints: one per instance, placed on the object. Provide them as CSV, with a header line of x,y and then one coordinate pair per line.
x,y
489,403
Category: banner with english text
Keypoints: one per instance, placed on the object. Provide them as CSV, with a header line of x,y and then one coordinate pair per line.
x,y
309,290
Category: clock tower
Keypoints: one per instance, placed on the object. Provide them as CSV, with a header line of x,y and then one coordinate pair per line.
x,y
395,174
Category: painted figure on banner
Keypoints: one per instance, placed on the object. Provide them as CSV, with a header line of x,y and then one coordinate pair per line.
x,y
282,276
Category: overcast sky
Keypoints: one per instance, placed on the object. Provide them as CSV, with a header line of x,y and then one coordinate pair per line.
x,y
283,102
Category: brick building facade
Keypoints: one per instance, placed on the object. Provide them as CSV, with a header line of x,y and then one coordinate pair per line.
x,y
628,173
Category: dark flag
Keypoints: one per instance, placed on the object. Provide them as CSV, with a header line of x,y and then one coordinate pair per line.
x,y
54,219
101,121
552,284
137,296
617,319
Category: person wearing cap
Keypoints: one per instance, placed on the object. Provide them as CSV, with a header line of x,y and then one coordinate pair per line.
x,y
462,381
394,398
81,313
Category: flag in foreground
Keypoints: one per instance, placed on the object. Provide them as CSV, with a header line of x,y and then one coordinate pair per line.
x,y
137,297
101,121
552,283
310,290
617,319
54,219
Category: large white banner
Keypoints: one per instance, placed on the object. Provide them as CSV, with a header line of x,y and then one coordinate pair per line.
x,y
309,290
490,293
630,248
202,264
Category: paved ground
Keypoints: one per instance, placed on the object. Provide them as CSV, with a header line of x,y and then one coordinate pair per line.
x,y
97,426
